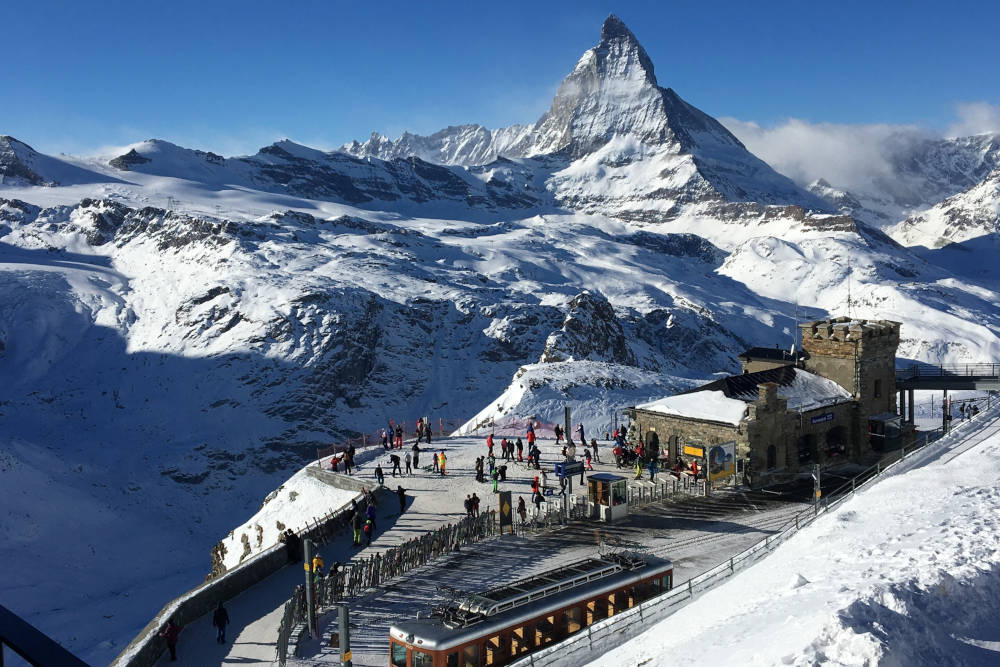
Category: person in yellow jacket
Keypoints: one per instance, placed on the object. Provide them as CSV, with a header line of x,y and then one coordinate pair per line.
x,y
442,460
317,565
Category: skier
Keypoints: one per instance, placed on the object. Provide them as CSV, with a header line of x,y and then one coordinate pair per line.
x,y
530,435
502,472
385,440
395,464
593,445
416,456
587,457
537,499
220,619
521,509
370,513
399,436
401,494
435,461
475,504
489,444
379,475
427,432
170,632
520,448
443,461
579,434
559,433
369,529
348,461
495,476
479,470
409,470
468,505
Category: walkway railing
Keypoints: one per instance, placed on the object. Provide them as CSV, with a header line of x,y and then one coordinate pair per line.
x,y
949,370
31,643
367,573
585,647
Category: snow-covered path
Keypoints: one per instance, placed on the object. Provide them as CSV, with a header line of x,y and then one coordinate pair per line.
x,y
907,572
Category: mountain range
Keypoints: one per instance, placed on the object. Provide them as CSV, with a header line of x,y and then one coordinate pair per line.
x,y
181,330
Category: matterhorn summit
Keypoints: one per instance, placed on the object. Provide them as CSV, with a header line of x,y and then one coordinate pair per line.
x,y
615,142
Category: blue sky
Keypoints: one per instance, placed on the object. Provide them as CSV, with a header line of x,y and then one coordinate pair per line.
x,y
234,76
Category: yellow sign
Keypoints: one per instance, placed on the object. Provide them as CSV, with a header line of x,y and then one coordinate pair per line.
x,y
694,451
347,656
818,493
722,461
306,566
506,508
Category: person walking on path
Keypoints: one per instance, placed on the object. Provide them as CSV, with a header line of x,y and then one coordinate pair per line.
x,y
220,619
379,475
537,499
171,631
401,494
558,432
475,505
579,434
357,523
468,505
593,445
385,440
436,461
395,465
652,470
409,470
443,461
586,455
348,461
521,509
416,456
489,444
399,436
479,470
370,514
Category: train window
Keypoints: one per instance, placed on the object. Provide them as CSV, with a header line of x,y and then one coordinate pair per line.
x,y
654,587
470,656
597,610
494,650
573,619
452,660
520,640
421,659
545,631
666,582
398,655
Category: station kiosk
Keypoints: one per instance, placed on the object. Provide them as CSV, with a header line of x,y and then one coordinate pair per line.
x,y
607,496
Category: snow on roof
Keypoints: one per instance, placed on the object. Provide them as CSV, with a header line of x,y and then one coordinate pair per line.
x,y
726,400
709,405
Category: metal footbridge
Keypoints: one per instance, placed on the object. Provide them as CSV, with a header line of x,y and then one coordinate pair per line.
x,y
983,376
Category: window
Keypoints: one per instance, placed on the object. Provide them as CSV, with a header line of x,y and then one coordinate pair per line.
x,y
666,582
398,656
520,640
597,610
494,650
545,631
452,660
470,656
421,659
573,619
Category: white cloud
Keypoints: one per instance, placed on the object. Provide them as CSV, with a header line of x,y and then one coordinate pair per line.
x,y
975,118
848,156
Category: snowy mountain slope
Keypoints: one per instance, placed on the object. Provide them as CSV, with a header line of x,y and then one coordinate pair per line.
x,y
920,175
967,215
20,164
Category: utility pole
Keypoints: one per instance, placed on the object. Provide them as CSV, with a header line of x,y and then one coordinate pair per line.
x,y
345,634
310,593
816,484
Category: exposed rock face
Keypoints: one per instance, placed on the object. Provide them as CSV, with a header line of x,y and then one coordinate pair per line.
x,y
128,160
590,332
14,158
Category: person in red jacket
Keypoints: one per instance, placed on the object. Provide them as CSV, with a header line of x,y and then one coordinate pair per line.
x,y
170,632
489,443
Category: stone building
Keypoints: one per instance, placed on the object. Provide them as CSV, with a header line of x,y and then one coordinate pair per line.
x,y
833,401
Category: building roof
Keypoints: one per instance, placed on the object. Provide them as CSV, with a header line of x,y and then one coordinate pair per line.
x,y
770,354
725,400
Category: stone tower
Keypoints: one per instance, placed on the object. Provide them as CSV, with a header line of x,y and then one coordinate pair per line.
x,y
859,355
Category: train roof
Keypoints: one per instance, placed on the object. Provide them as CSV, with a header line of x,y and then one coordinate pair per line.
x,y
478,614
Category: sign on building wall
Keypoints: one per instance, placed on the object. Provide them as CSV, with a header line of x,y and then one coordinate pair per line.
x,y
722,460
689,450
819,419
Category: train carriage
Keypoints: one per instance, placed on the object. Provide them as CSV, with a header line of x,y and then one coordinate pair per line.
x,y
501,625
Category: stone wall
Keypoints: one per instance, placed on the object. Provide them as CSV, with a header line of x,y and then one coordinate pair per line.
x,y
675,432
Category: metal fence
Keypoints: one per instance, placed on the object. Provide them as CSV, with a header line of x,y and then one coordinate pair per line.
x,y
586,646
367,573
